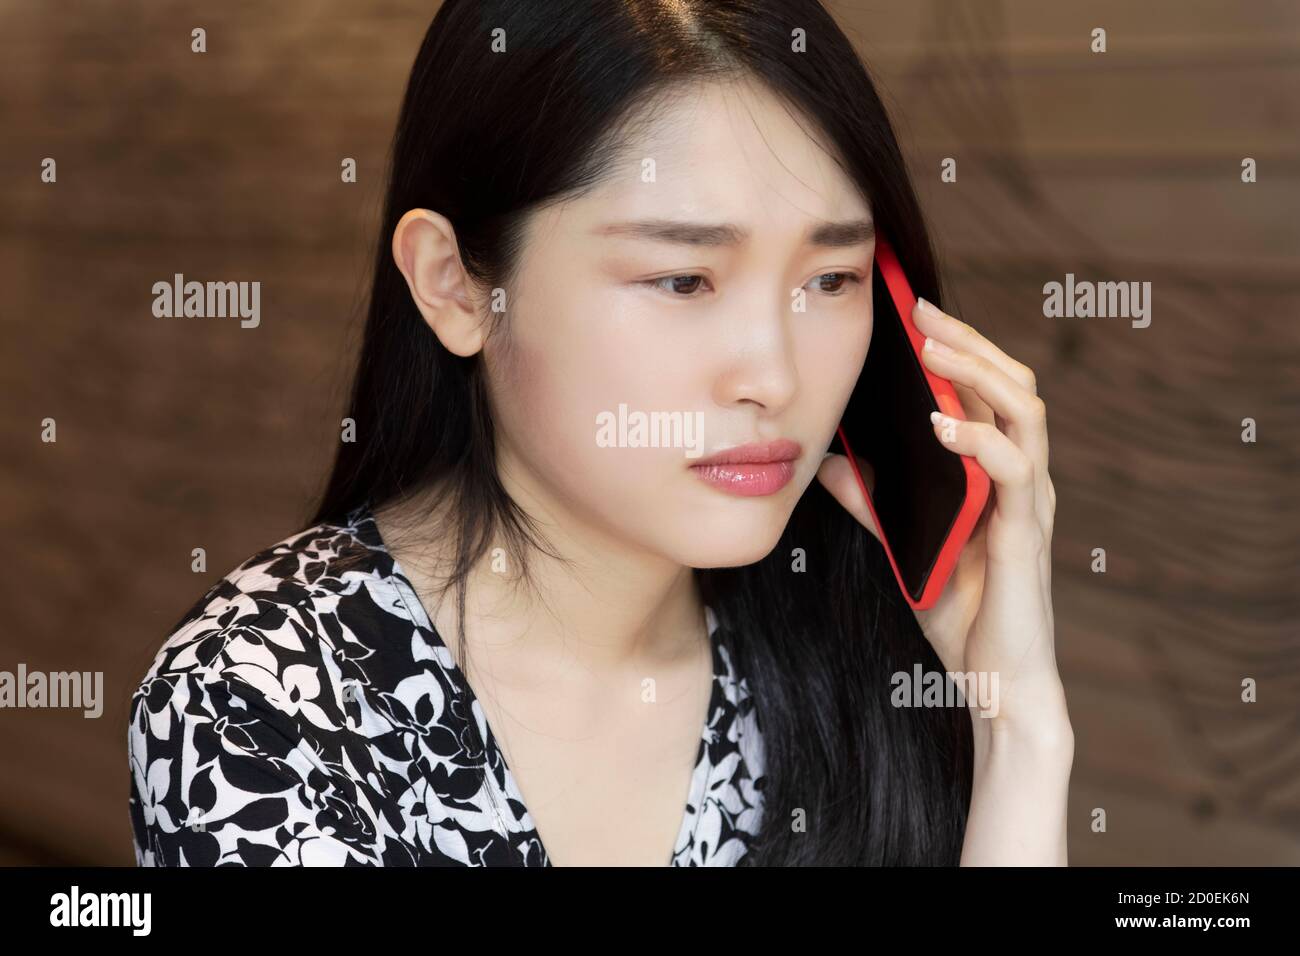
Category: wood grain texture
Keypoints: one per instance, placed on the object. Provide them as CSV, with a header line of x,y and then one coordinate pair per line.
x,y
1122,166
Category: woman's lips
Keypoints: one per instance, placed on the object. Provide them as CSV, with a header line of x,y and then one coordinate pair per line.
x,y
751,470
747,479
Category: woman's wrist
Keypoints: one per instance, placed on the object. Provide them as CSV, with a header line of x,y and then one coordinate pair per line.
x,y
1041,732
1021,786
1020,793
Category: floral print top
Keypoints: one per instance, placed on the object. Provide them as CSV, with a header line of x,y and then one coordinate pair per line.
x,y
306,712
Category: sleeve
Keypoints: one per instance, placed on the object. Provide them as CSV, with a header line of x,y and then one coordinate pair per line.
x,y
221,777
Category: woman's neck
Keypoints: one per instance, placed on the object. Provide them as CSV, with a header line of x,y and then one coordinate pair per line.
x,y
609,609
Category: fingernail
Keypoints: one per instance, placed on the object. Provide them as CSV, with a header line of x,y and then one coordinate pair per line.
x,y
937,347
939,418
929,308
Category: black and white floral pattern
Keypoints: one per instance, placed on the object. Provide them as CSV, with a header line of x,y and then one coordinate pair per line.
x,y
305,712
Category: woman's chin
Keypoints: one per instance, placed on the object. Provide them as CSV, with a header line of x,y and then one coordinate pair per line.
x,y
729,544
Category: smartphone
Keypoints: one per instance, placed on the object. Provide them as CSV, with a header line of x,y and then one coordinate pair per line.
x,y
926,500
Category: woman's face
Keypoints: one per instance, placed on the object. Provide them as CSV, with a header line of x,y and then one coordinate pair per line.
x,y
760,336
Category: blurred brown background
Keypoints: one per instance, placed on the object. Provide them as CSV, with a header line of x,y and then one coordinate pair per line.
x,y
1124,166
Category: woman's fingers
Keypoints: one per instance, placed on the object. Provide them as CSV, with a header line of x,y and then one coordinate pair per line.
x,y
837,475
1009,468
1023,411
972,405
1009,388
935,323
948,330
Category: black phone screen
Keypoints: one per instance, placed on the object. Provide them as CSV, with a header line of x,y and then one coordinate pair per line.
x,y
919,484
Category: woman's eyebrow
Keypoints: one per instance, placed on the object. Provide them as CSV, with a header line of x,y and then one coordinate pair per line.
x,y
850,232
833,235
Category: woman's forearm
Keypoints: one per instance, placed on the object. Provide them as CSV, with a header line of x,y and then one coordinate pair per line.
x,y
1020,793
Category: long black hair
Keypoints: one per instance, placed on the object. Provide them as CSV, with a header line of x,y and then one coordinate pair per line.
x,y
485,138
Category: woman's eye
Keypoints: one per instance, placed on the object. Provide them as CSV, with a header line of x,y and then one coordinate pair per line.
x,y
682,285
839,280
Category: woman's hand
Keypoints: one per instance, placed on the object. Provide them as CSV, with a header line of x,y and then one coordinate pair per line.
x,y
995,614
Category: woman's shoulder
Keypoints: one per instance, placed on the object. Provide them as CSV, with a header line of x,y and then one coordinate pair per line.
x,y
283,598
247,742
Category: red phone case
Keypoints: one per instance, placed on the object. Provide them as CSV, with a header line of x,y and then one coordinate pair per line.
x,y
977,480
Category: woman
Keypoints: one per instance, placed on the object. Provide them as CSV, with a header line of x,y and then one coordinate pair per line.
x,y
598,210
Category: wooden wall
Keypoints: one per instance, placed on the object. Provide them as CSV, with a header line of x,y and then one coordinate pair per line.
x,y
1119,166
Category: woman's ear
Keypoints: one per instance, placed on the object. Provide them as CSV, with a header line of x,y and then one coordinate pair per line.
x,y
426,252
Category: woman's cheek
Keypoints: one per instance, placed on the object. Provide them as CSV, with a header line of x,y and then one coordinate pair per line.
x,y
836,362
557,400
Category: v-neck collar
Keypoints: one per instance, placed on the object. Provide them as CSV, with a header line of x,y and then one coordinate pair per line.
x,y
514,818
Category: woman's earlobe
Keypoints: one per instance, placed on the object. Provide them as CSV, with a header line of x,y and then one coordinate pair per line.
x,y
428,256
